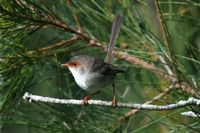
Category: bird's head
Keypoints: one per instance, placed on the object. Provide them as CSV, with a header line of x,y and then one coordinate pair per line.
x,y
79,64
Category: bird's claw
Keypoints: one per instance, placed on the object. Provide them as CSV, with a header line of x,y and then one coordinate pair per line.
x,y
114,102
85,100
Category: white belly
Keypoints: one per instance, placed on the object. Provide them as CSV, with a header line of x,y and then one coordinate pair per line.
x,y
81,81
90,82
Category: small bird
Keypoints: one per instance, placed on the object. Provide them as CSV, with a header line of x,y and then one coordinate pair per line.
x,y
92,74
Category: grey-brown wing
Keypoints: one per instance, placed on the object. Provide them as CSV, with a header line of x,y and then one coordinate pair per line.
x,y
105,68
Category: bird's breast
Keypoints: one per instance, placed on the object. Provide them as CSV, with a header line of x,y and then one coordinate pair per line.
x,y
81,80
91,82
79,77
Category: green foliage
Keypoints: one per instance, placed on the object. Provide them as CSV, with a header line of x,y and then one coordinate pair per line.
x,y
28,62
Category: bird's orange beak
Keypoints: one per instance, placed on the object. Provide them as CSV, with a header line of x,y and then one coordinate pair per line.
x,y
65,65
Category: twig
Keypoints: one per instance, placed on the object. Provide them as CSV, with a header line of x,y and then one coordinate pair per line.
x,y
129,58
173,86
166,66
132,112
59,44
162,26
183,103
56,45
190,113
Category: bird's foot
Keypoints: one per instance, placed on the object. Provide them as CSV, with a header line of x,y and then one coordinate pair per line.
x,y
114,102
85,100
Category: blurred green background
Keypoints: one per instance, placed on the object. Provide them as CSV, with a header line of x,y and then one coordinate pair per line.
x,y
37,36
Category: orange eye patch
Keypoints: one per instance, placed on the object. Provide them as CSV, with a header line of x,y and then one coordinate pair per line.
x,y
71,64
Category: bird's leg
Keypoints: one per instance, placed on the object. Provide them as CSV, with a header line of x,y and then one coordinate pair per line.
x,y
114,101
87,98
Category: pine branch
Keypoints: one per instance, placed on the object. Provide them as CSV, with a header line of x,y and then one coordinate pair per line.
x,y
183,103
52,20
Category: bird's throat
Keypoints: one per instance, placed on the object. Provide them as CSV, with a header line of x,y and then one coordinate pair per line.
x,y
80,78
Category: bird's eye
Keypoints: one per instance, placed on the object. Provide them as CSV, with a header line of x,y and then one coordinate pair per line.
x,y
74,64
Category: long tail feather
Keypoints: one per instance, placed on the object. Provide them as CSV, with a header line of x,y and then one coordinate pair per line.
x,y
114,34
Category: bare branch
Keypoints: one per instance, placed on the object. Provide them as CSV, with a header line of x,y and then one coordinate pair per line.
x,y
183,103
56,45
59,44
133,111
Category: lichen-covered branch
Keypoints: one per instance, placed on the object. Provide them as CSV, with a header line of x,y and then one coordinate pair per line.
x,y
190,114
183,103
